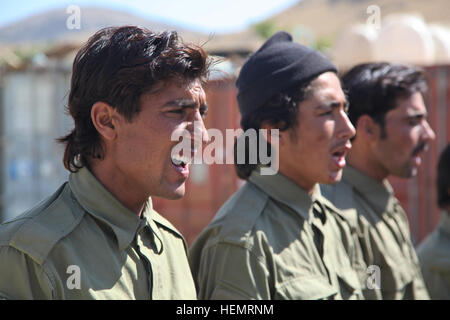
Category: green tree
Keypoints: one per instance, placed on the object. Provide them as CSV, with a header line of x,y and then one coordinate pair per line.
x,y
265,29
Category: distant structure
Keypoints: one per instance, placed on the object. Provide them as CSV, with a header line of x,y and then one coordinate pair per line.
x,y
441,38
403,38
355,45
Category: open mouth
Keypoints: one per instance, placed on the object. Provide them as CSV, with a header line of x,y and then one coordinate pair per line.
x,y
180,161
417,158
338,155
339,159
182,155
418,152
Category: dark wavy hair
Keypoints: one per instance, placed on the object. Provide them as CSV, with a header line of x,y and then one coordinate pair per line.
x,y
373,88
116,66
280,110
443,178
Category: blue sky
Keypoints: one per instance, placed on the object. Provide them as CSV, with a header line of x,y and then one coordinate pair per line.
x,y
200,15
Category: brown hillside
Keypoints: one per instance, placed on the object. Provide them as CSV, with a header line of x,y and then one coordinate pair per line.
x,y
325,19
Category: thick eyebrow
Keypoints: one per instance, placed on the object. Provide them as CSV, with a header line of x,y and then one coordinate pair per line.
x,y
418,115
332,104
185,103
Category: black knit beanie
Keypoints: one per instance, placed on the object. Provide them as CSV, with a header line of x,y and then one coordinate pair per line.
x,y
279,64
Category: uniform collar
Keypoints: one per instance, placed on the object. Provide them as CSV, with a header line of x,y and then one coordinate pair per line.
x,y
380,195
284,190
101,204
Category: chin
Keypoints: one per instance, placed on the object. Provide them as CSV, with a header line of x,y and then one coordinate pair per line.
x,y
178,193
406,173
334,177
175,196
174,193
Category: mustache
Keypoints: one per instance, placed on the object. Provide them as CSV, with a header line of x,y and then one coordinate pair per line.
x,y
423,146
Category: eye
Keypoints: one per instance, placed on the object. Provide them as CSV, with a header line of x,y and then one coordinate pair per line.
x,y
175,111
326,113
203,112
414,121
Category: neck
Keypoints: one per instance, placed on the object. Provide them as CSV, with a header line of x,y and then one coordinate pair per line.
x,y
116,183
361,158
301,182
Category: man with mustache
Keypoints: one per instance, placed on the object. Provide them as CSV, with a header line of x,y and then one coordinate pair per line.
x,y
392,132
97,236
277,237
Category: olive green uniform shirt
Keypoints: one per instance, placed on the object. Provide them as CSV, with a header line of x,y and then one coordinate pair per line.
x,y
82,243
271,240
434,257
381,236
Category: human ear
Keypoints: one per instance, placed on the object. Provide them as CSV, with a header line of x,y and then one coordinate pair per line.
x,y
104,118
367,128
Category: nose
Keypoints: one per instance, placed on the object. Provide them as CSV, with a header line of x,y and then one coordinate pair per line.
x,y
200,132
428,133
345,129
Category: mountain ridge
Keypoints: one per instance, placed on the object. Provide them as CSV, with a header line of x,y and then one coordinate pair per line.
x,y
51,26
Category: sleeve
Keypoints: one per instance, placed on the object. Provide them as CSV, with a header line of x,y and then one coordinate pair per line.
x,y
229,271
21,278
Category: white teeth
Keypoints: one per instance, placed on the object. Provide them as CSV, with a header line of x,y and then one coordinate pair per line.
x,y
177,159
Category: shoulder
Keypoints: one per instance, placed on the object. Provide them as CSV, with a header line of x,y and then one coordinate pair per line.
x,y
339,199
36,231
169,238
164,224
341,194
235,221
168,231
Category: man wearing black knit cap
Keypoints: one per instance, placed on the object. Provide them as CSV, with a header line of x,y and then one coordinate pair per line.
x,y
277,237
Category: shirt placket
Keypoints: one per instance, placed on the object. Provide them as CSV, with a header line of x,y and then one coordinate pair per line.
x,y
318,226
143,255
151,250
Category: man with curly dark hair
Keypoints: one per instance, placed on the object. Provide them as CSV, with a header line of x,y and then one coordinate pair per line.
x,y
97,236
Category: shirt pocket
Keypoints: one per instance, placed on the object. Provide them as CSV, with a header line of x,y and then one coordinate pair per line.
x,y
306,288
